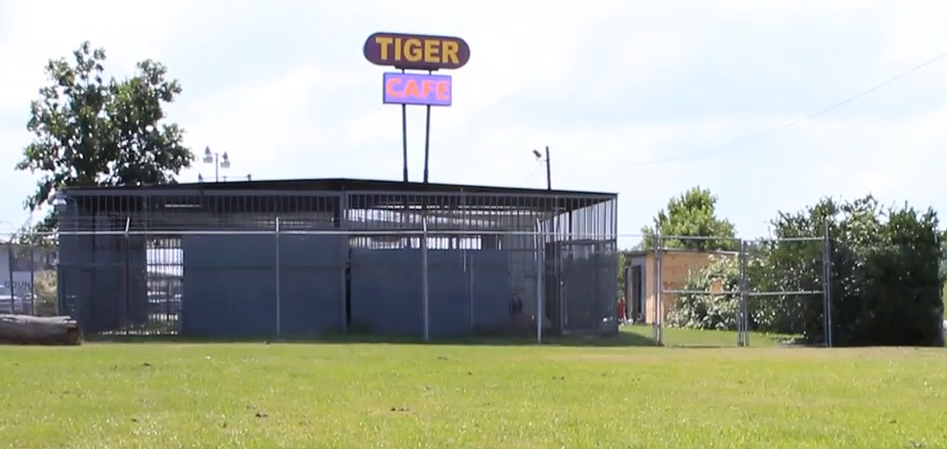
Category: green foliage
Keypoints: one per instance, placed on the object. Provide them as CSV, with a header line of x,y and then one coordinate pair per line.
x,y
886,277
88,130
45,294
709,311
692,214
943,266
944,296
885,273
720,311
33,236
779,314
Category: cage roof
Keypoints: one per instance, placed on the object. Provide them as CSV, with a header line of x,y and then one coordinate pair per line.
x,y
334,185
363,194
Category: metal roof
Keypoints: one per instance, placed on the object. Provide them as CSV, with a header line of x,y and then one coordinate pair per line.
x,y
286,195
330,185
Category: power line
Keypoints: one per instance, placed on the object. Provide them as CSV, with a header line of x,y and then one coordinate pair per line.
x,y
800,120
856,97
531,174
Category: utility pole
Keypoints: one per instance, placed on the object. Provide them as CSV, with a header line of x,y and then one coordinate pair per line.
x,y
539,157
548,171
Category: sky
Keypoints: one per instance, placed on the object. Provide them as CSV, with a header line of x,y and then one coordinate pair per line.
x,y
645,99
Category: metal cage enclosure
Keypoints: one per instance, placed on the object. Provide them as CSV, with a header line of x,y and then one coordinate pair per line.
x,y
303,258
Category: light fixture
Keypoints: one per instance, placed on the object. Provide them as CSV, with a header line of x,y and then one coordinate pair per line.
x,y
220,161
537,154
60,202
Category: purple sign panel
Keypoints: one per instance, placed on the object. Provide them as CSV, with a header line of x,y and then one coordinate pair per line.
x,y
419,89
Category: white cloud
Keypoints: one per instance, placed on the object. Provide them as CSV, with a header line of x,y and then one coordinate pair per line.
x,y
254,124
36,31
299,100
915,32
898,158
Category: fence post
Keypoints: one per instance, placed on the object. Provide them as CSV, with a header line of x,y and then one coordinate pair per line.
x,y
128,318
277,265
658,287
33,277
469,266
827,284
10,274
739,298
345,267
540,279
743,324
424,281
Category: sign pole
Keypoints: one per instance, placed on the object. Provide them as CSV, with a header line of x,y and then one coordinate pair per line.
x,y
404,140
427,139
422,53
418,52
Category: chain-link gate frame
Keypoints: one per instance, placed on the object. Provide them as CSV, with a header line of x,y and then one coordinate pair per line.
x,y
744,291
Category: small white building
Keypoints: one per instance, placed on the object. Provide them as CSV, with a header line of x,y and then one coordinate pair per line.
x,y
20,264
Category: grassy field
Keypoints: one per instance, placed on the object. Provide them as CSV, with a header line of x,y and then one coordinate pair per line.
x,y
704,338
349,395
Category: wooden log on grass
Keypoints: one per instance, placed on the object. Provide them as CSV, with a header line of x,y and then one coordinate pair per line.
x,y
39,330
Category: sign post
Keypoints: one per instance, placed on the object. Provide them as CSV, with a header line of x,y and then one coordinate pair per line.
x,y
420,53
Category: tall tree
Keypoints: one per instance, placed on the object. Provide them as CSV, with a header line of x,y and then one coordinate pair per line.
x,y
943,267
92,131
692,214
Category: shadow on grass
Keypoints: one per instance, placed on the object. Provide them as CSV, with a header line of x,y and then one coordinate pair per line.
x,y
622,339
628,336
756,341
712,339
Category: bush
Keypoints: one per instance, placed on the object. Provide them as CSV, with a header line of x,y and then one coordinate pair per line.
x,y
709,311
45,301
886,283
886,278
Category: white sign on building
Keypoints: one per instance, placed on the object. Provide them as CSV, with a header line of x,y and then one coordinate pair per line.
x,y
20,264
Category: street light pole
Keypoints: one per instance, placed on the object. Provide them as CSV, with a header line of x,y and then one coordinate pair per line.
x,y
539,157
548,171
220,161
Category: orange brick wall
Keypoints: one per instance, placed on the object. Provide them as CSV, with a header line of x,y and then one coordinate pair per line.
x,y
675,267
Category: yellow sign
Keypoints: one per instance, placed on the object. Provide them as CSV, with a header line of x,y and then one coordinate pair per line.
x,y
419,52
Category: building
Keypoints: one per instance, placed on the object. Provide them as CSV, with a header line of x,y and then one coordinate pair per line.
x,y
308,257
640,282
21,264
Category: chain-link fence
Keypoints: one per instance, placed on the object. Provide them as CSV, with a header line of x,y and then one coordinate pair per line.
x,y
290,283
729,290
28,275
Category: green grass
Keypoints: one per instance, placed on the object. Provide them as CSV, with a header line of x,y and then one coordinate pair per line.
x,y
632,335
347,395
707,338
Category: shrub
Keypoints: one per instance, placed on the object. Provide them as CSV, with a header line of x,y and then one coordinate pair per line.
x,y
709,311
